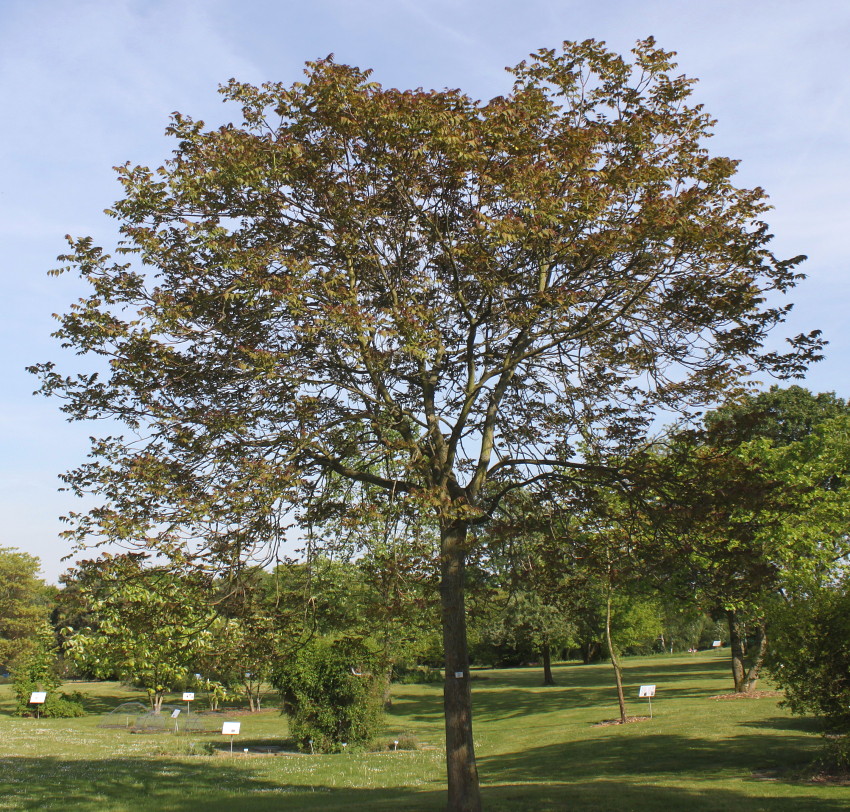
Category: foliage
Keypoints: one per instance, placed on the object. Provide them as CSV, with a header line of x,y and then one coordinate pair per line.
x,y
37,670
746,514
810,653
23,605
149,625
333,694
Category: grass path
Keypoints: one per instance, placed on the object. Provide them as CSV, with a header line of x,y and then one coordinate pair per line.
x,y
538,749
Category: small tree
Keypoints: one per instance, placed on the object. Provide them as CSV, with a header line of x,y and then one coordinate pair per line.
x,y
148,626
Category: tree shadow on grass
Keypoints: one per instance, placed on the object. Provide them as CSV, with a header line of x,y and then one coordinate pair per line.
x,y
611,755
617,796
804,724
627,773
224,785
214,784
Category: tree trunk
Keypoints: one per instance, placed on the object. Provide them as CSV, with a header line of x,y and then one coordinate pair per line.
x,y
755,668
589,651
548,679
736,644
618,672
464,793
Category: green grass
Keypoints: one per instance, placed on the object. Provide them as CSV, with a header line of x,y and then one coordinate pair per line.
x,y
538,749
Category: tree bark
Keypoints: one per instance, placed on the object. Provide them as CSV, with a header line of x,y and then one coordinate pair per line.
x,y
755,668
464,792
736,644
618,672
589,651
548,679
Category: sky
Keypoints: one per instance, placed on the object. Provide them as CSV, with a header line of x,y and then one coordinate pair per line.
x,y
86,85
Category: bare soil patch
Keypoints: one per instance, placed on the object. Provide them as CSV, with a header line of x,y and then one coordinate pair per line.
x,y
629,720
750,695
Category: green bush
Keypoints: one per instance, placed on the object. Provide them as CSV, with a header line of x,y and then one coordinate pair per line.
x,y
836,755
333,693
63,706
809,655
416,675
56,706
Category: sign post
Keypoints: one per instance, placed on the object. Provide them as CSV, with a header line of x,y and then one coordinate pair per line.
x,y
230,729
38,698
174,714
717,644
647,691
188,696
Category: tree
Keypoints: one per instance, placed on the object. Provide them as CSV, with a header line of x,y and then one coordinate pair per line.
x,y
760,500
416,292
810,652
148,626
23,605
527,624
255,626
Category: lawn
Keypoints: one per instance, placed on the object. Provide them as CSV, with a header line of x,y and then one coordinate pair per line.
x,y
538,749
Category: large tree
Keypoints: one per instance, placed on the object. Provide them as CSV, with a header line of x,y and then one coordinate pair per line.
x,y
416,291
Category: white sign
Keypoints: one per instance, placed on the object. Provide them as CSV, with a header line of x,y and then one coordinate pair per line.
x,y
175,713
38,697
230,728
716,644
459,674
188,696
647,690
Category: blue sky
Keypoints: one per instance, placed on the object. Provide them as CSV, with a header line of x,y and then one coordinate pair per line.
x,y
88,84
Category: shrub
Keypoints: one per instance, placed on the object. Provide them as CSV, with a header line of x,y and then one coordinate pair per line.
x,y
63,706
333,694
416,675
56,705
810,654
836,755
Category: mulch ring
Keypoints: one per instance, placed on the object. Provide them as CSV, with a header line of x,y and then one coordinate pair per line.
x,y
749,695
841,779
629,720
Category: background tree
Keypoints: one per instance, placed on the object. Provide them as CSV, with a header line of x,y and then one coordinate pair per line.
x,y
356,275
756,504
151,626
24,605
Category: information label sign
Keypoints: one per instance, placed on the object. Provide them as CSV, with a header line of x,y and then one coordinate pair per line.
x,y
38,697
647,690
188,696
230,728
716,644
175,713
